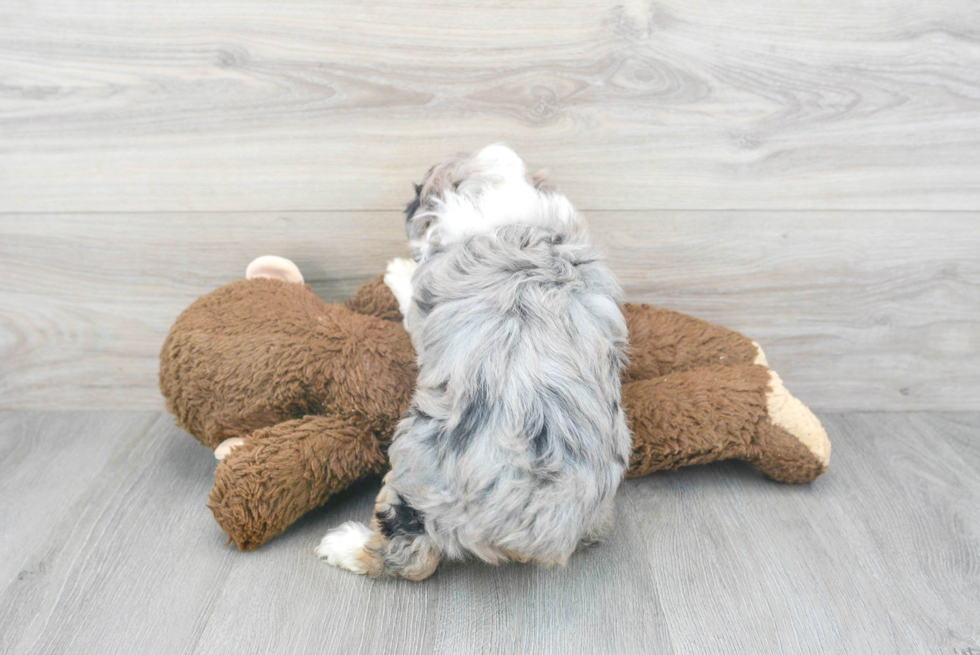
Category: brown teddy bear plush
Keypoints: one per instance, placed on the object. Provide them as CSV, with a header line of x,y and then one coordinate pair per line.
x,y
299,398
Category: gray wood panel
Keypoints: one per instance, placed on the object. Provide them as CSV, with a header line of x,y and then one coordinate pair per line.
x,y
804,174
878,311
252,105
881,554
878,556
41,453
133,561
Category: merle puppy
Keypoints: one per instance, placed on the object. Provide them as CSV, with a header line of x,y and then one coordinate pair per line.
x,y
515,442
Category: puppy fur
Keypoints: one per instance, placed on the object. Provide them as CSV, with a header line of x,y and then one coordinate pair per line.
x,y
515,441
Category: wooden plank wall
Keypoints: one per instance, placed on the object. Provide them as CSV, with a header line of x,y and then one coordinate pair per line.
x,y
807,175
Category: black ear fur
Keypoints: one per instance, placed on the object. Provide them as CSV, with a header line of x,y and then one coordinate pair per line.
x,y
413,206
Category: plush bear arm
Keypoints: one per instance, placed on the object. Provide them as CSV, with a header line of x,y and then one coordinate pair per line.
x,y
723,412
281,472
375,299
661,341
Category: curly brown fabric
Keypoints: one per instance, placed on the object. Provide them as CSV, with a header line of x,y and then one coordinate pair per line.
x,y
315,391
280,472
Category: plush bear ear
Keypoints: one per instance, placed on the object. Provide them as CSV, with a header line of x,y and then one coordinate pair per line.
x,y
271,266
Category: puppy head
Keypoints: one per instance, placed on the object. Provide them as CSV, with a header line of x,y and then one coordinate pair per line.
x,y
472,193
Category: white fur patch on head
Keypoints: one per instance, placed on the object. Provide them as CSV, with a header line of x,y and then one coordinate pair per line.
x,y
493,189
343,546
501,162
496,192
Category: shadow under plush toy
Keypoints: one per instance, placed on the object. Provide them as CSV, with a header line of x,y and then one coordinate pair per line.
x,y
299,398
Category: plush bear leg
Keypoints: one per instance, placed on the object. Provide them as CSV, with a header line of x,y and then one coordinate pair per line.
x,y
661,341
279,473
714,413
374,298
671,429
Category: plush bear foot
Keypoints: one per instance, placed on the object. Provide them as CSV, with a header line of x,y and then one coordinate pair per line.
x,y
343,546
225,447
711,414
278,268
790,415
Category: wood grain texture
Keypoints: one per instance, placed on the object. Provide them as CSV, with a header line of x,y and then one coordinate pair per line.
x,y
802,173
141,105
878,313
881,554
42,452
122,569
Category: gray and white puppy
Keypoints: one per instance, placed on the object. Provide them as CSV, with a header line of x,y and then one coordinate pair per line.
x,y
515,442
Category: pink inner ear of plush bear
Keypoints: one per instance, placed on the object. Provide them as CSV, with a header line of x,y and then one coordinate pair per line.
x,y
271,266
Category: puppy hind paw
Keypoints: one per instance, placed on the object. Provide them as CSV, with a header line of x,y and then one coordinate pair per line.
x,y
343,546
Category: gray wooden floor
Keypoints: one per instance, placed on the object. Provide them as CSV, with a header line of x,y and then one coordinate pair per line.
x,y
805,172
108,548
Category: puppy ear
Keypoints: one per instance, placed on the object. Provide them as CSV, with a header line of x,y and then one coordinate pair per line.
x,y
541,180
413,206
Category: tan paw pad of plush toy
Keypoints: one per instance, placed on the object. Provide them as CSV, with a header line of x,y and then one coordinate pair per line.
x,y
299,398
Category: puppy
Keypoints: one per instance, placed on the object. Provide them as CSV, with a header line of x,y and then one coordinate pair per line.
x,y
515,442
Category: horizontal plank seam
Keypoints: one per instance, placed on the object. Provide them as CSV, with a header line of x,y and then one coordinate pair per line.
x,y
704,210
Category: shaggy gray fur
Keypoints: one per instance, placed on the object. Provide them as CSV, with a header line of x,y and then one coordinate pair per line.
x,y
515,442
